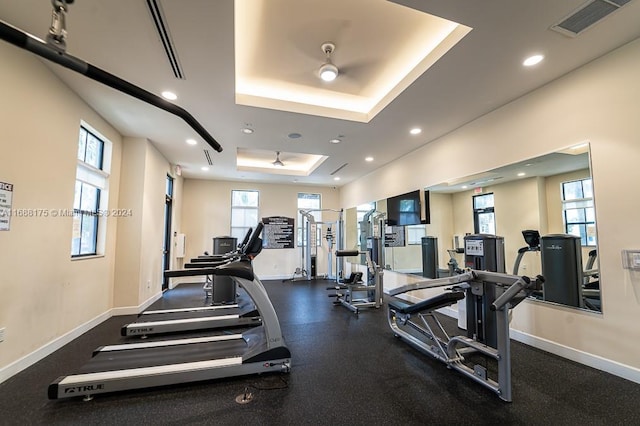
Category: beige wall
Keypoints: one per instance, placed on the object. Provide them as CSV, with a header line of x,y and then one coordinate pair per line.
x,y
441,225
140,236
47,297
207,214
599,103
44,293
129,241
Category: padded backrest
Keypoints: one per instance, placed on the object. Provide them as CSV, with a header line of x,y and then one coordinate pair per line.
x,y
354,277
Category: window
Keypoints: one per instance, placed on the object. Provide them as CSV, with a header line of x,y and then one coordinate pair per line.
x,y
578,211
361,210
415,233
244,212
308,202
90,193
484,218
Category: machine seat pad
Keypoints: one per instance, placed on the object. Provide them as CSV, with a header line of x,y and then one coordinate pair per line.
x,y
439,301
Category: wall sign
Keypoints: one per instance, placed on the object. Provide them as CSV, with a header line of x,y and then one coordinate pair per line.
x,y
278,232
394,236
6,195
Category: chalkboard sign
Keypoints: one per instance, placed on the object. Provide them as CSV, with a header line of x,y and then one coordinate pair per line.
x,y
278,232
394,236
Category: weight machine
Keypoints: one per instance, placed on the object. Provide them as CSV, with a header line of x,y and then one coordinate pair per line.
x,y
312,234
372,237
485,358
484,354
354,294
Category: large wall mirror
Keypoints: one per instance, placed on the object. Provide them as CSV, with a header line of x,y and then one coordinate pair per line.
x,y
551,195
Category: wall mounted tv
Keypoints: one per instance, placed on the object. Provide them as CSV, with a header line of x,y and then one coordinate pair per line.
x,y
404,209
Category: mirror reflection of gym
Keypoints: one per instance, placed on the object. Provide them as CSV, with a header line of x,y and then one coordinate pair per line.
x,y
551,194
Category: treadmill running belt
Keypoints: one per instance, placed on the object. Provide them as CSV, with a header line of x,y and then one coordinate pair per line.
x,y
137,358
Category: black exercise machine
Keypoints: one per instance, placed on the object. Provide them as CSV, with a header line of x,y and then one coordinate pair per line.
x,y
142,365
243,313
354,294
484,354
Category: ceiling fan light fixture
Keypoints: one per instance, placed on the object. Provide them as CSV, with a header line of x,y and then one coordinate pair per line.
x,y
277,162
328,71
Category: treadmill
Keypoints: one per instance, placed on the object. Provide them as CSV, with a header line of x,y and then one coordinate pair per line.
x,y
240,314
149,364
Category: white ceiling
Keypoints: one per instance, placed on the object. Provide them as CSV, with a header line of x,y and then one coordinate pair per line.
x,y
480,73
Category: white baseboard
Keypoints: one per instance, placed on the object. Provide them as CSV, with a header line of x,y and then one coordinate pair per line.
x,y
134,310
48,348
594,361
275,277
175,282
581,357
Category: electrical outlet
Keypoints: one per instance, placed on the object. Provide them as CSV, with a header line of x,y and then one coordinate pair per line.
x,y
148,283
2,334
631,259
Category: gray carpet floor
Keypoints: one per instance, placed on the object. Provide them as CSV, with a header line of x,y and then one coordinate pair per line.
x,y
346,369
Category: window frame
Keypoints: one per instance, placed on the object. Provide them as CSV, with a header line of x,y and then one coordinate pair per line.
x,y
239,231
316,213
420,231
95,175
479,211
583,204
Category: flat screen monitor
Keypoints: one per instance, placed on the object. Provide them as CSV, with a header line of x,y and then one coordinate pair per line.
x,y
404,209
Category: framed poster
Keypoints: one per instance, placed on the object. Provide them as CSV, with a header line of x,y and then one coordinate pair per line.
x,y
394,236
6,196
278,232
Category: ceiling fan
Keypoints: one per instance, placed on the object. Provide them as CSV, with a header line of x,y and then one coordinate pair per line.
x,y
277,162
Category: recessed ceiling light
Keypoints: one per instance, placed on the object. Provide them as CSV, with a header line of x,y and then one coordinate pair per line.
x,y
368,159
204,169
521,174
294,135
415,131
169,95
192,142
464,186
336,178
532,60
335,140
247,130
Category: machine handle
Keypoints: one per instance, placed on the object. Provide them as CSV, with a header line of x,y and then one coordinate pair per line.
x,y
512,291
347,253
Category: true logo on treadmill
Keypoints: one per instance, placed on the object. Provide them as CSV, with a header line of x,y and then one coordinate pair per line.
x,y
84,389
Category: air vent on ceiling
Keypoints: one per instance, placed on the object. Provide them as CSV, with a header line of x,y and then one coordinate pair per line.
x,y
163,32
339,168
587,15
207,155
